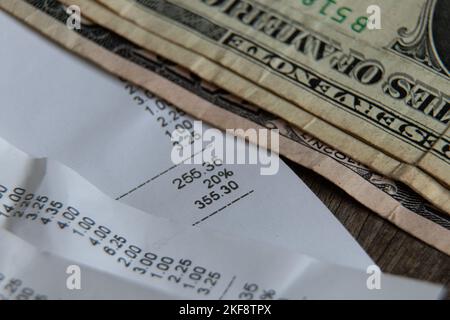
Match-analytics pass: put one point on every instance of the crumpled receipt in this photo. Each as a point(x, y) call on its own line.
point(50, 206)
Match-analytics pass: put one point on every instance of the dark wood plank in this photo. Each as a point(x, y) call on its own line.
point(394, 250)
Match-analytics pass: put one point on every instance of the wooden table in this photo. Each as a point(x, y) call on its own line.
point(394, 250)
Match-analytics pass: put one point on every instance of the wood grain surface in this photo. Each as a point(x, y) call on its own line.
point(394, 250)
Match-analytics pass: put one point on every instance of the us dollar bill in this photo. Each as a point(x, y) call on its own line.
point(367, 93)
point(392, 200)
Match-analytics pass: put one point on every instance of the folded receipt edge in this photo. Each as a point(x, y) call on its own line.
point(43, 275)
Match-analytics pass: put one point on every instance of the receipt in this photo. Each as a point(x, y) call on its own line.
point(27, 273)
point(115, 135)
point(47, 204)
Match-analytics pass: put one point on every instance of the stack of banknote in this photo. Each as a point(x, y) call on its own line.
point(359, 90)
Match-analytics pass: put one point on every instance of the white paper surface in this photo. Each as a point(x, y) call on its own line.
point(55, 209)
point(27, 273)
point(54, 105)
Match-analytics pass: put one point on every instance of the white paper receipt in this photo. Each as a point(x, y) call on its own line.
point(27, 273)
point(55, 209)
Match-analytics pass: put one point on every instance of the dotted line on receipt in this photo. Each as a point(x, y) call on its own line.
point(147, 182)
point(160, 174)
point(227, 288)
